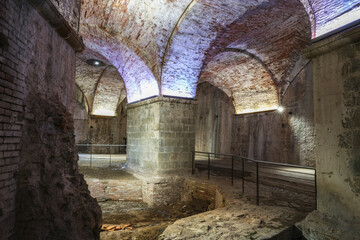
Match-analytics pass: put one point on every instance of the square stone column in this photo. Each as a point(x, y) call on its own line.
point(336, 77)
point(161, 138)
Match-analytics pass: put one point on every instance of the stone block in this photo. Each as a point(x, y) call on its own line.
point(164, 144)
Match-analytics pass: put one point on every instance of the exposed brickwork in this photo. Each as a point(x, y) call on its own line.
point(34, 60)
point(193, 37)
point(110, 92)
point(284, 30)
point(167, 46)
point(12, 88)
point(330, 15)
point(161, 190)
point(244, 80)
point(199, 190)
point(87, 76)
point(70, 10)
point(102, 82)
point(118, 190)
point(145, 25)
point(139, 80)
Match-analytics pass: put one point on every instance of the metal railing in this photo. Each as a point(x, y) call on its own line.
point(282, 167)
point(100, 153)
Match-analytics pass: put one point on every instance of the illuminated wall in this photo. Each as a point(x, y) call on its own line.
point(329, 15)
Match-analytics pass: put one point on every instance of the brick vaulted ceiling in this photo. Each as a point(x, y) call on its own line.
point(249, 49)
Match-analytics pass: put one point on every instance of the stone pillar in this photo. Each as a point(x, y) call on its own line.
point(161, 138)
point(336, 76)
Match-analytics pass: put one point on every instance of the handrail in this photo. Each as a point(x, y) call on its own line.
point(257, 162)
point(100, 145)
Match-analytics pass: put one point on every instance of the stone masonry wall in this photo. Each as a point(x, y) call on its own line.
point(161, 135)
point(37, 74)
point(336, 74)
point(161, 138)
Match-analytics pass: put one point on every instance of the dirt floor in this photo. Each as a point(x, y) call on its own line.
point(146, 222)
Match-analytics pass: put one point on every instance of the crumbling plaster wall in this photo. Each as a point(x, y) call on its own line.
point(41, 190)
point(286, 137)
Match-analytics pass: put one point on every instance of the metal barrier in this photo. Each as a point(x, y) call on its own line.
point(105, 151)
point(282, 167)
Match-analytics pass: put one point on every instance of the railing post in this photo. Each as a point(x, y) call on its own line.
point(315, 190)
point(110, 155)
point(208, 166)
point(257, 183)
point(232, 170)
point(192, 162)
point(90, 155)
point(243, 174)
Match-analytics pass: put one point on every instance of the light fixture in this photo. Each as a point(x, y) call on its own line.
point(95, 63)
point(280, 109)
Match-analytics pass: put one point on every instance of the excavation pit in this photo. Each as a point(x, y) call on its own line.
point(146, 222)
point(120, 196)
point(210, 209)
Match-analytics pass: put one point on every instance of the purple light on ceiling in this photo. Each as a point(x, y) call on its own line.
point(334, 14)
point(139, 81)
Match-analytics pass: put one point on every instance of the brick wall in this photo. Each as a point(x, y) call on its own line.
point(12, 91)
point(197, 189)
point(108, 189)
point(35, 64)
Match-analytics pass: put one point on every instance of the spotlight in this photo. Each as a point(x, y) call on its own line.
point(281, 109)
point(95, 62)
